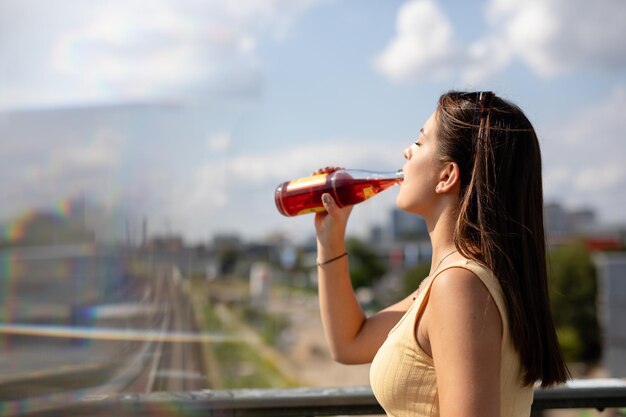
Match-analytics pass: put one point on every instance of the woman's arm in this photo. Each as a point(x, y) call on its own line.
point(352, 337)
point(464, 331)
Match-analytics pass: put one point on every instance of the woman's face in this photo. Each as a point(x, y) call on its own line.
point(421, 171)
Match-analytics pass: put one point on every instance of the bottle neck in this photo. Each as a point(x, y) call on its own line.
point(397, 176)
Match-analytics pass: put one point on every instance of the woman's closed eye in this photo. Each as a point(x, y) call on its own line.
point(417, 141)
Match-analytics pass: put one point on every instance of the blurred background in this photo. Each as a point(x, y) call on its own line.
point(141, 143)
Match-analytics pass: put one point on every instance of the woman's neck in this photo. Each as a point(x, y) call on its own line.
point(441, 231)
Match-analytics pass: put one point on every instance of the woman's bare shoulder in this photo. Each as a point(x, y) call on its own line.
point(460, 292)
point(458, 279)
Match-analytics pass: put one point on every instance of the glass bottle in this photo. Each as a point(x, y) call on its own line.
point(346, 186)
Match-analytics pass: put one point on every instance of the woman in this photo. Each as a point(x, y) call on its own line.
point(478, 333)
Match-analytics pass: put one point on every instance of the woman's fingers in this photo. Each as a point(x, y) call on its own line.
point(340, 214)
point(326, 170)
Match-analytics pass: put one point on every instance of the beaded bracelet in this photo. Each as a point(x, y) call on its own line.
point(332, 259)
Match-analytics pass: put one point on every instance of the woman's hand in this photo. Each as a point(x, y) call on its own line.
point(330, 226)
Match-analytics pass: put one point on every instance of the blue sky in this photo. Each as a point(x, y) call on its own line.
point(190, 113)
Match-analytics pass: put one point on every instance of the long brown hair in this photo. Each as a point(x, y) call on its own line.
point(500, 222)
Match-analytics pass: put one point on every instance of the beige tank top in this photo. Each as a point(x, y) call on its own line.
point(402, 375)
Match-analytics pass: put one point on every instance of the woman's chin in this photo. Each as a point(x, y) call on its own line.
point(408, 206)
point(400, 203)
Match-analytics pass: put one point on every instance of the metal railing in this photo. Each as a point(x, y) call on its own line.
point(296, 402)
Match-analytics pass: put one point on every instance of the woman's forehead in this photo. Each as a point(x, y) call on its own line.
point(430, 125)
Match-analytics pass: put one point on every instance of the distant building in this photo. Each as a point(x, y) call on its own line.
point(377, 234)
point(557, 223)
point(410, 242)
point(563, 225)
point(170, 244)
point(582, 219)
point(406, 226)
point(612, 309)
point(230, 240)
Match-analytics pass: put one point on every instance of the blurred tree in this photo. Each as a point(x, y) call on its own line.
point(366, 267)
point(573, 287)
point(414, 276)
point(227, 258)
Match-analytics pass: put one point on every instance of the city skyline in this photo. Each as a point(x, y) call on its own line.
point(80, 220)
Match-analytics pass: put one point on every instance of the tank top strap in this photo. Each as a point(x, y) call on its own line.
point(488, 279)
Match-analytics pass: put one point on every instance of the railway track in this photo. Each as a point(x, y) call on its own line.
point(178, 365)
point(161, 351)
point(169, 362)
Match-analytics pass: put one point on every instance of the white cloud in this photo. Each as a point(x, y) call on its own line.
point(112, 55)
point(137, 50)
point(103, 151)
point(555, 177)
point(485, 58)
point(36, 175)
point(549, 36)
point(424, 43)
point(273, 167)
point(584, 157)
point(603, 178)
point(556, 36)
point(219, 141)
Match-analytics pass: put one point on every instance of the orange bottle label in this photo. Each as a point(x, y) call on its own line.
point(311, 210)
point(307, 182)
point(368, 192)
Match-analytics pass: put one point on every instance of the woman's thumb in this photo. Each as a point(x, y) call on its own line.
point(328, 202)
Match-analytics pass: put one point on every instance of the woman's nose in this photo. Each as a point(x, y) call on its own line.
point(407, 153)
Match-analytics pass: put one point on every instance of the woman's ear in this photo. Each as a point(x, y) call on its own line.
point(449, 178)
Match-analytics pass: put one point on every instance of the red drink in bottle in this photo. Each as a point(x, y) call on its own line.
point(346, 186)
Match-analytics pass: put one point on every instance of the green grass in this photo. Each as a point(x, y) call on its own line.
point(268, 325)
point(242, 367)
